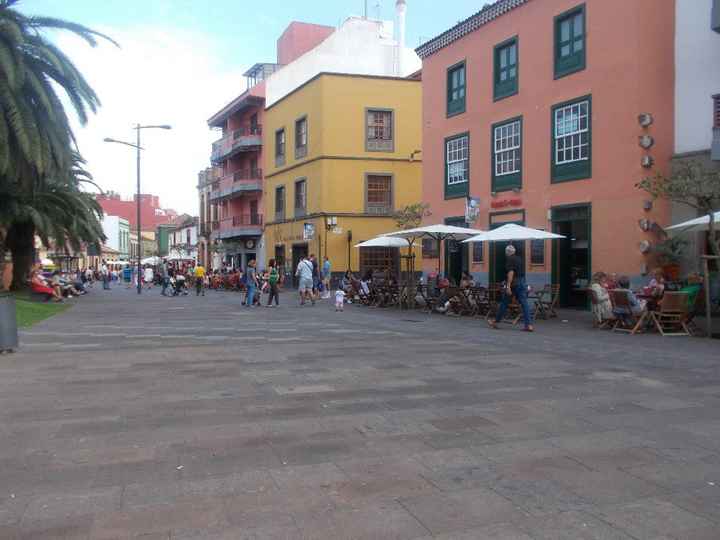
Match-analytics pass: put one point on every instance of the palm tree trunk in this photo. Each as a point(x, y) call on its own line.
point(21, 242)
point(713, 241)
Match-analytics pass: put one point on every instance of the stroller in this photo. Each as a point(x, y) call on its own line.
point(179, 286)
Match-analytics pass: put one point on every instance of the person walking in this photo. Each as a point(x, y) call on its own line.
point(273, 278)
point(326, 274)
point(199, 280)
point(514, 286)
point(251, 283)
point(148, 277)
point(315, 278)
point(305, 274)
point(105, 271)
point(164, 277)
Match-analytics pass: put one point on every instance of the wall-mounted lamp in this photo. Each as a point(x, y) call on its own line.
point(645, 119)
point(644, 247)
point(413, 154)
point(646, 141)
point(647, 205)
point(493, 193)
point(516, 190)
point(330, 222)
point(647, 161)
point(644, 224)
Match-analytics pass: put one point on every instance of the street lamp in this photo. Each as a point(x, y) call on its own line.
point(137, 146)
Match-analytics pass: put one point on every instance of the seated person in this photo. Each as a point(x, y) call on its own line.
point(466, 281)
point(65, 288)
point(611, 281)
point(603, 309)
point(346, 282)
point(637, 306)
point(656, 286)
point(39, 285)
point(366, 281)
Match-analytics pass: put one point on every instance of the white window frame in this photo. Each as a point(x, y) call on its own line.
point(507, 145)
point(457, 150)
point(571, 127)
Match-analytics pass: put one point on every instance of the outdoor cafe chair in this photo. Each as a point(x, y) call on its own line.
point(546, 301)
point(598, 320)
point(671, 318)
point(620, 300)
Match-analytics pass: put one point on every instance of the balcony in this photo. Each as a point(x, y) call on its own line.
point(237, 226)
point(235, 184)
point(244, 139)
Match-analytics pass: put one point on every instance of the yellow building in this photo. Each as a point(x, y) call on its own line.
point(342, 155)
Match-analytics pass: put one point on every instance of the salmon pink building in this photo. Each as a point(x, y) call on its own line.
point(231, 190)
point(547, 113)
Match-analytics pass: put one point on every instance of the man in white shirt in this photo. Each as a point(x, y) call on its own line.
point(105, 276)
point(305, 273)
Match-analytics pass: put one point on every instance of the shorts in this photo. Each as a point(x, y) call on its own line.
point(306, 284)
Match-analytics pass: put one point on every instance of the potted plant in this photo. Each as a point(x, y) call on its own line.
point(669, 254)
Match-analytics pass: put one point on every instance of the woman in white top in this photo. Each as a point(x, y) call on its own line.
point(148, 277)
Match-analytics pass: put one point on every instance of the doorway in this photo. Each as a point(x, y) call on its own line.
point(456, 254)
point(498, 273)
point(298, 251)
point(571, 266)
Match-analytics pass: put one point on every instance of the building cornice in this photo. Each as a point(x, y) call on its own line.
point(485, 15)
point(340, 158)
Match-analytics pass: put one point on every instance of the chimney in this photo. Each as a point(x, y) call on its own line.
point(401, 10)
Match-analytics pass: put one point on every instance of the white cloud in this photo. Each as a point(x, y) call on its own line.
point(159, 76)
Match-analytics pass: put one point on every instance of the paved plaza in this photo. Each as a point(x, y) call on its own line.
point(196, 418)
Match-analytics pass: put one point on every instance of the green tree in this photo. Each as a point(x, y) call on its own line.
point(39, 176)
point(694, 185)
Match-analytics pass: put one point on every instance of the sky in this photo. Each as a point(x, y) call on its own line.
point(179, 62)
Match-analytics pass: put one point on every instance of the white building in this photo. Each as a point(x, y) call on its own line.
point(183, 241)
point(359, 46)
point(117, 233)
point(697, 96)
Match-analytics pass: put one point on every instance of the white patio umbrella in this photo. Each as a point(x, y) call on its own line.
point(152, 261)
point(437, 232)
point(695, 225)
point(512, 232)
point(385, 241)
point(47, 262)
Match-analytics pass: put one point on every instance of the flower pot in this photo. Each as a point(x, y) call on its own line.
point(8, 324)
point(671, 271)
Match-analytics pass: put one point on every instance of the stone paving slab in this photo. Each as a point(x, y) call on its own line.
point(185, 418)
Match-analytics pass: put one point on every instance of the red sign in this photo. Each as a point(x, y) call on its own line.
point(505, 203)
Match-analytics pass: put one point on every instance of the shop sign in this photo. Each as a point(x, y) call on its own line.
point(506, 203)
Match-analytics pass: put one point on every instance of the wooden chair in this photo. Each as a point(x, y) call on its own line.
point(671, 319)
point(621, 301)
point(547, 302)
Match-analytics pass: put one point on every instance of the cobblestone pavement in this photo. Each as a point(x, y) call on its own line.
point(185, 418)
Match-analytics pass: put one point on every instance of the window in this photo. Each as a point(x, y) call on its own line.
point(507, 155)
point(300, 197)
point(379, 259)
point(280, 147)
point(456, 89)
point(537, 252)
point(570, 42)
point(379, 130)
point(378, 194)
point(506, 69)
point(572, 131)
point(457, 166)
point(430, 248)
point(477, 252)
point(301, 138)
point(280, 203)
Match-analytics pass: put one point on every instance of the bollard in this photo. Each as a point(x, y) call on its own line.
point(8, 324)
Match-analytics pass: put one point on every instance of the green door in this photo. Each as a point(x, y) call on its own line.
point(456, 254)
point(571, 260)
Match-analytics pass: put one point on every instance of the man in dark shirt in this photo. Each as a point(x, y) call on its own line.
point(514, 285)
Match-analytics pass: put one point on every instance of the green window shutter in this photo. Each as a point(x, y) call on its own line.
point(506, 61)
point(570, 42)
point(457, 166)
point(571, 140)
point(506, 141)
point(456, 89)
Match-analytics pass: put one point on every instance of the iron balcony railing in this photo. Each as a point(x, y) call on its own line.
point(247, 220)
point(243, 138)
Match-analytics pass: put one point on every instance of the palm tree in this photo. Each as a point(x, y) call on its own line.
point(37, 147)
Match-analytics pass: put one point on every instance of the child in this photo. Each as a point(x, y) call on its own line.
point(339, 300)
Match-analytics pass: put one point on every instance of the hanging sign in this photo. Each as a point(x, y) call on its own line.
point(472, 209)
point(308, 231)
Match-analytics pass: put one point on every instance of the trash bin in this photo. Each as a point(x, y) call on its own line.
point(8, 324)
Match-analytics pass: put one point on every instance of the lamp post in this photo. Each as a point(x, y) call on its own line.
point(137, 147)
